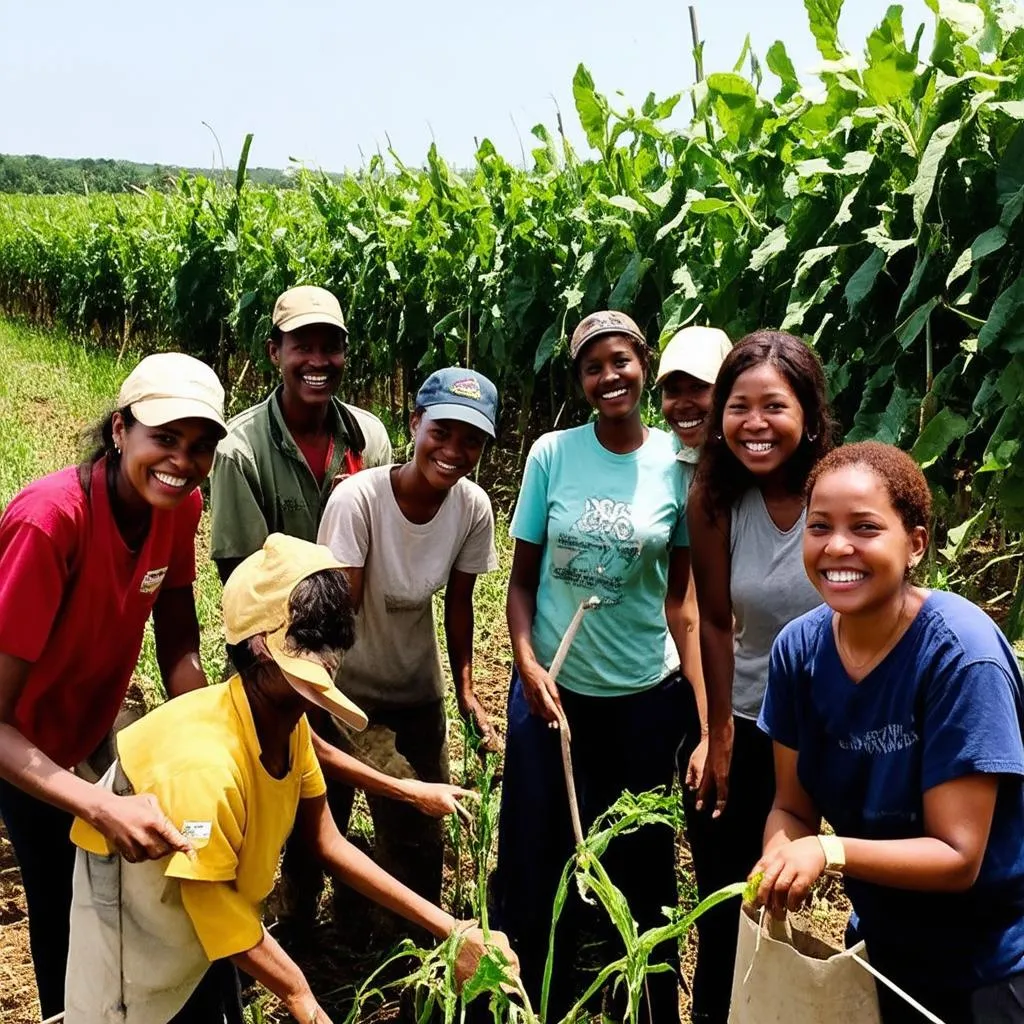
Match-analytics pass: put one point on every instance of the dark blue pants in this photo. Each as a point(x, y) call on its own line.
point(618, 743)
point(40, 835)
point(724, 850)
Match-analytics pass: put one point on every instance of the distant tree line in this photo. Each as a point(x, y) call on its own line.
point(55, 176)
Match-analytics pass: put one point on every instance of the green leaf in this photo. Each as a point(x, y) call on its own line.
point(824, 20)
point(1010, 175)
point(735, 105)
point(1005, 322)
point(781, 66)
point(942, 430)
point(546, 346)
point(892, 69)
point(626, 203)
point(879, 237)
point(960, 536)
point(965, 19)
point(709, 205)
point(591, 107)
point(928, 169)
point(858, 288)
point(984, 245)
point(774, 243)
point(626, 287)
point(914, 323)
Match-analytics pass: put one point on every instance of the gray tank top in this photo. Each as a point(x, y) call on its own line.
point(769, 588)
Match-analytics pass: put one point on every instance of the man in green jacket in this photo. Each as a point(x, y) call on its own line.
point(275, 470)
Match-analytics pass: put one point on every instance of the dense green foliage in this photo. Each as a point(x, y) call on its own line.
point(877, 214)
point(32, 175)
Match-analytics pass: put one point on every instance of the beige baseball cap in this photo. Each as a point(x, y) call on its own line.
point(607, 321)
point(172, 386)
point(698, 351)
point(257, 600)
point(307, 304)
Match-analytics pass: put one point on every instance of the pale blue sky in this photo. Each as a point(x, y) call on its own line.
point(321, 81)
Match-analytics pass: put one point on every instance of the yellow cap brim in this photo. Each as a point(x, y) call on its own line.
point(310, 679)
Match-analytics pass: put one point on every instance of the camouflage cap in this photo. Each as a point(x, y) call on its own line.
point(607, 321)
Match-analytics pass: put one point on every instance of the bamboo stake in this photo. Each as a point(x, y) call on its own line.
point(562, 725)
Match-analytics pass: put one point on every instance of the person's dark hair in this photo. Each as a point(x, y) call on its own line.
point(643, 353)
point(322, 619)
point(904, 483)
point(722, 477)
point(98, 439)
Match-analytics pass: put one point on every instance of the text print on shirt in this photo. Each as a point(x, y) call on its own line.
point(152, 580)
point(599, 549)
point(890, 739)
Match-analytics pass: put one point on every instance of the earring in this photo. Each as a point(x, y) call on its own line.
point(812, 438)
point(117, 449)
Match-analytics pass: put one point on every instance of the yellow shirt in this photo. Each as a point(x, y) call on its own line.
point(199, 755)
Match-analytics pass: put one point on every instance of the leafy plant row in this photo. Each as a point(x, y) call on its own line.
point(877, 213)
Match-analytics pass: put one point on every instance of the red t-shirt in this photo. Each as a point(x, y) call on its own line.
point(74, 601)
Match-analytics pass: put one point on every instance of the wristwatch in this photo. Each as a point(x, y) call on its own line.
point(835, 855)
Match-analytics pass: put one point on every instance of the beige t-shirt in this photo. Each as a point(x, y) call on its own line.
point(395, 659)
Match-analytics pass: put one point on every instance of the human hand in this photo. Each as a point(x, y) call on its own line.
point(789, 871)
point(473, 711)
point(138, 828)
point(473, 946)
point(436, 799)
point(305, 1009)
point(695, 766)
point(541, 694)
point(715, 783)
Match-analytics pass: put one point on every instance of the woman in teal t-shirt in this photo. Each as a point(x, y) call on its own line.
point(601, 513)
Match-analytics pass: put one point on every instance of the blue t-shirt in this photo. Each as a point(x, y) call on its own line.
point(946, 702)
point(607, 523)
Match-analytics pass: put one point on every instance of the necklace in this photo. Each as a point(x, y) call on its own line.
point(845, 650)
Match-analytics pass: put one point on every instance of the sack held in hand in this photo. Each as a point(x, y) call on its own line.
point(784, 975)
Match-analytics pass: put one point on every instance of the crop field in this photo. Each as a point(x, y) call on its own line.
point(877, 211)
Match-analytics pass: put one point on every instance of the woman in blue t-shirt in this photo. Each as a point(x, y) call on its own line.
point(600, 514)
point(896, 714)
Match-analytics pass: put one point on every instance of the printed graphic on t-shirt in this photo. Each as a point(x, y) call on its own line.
point(405, 602)
point(598, 551)
point(152, 580)
point(890, 739)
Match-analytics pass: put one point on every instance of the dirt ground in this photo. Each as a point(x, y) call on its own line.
point(335, 962)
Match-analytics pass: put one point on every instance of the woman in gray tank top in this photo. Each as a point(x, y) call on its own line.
point(769, 425)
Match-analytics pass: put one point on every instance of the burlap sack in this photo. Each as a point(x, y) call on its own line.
point(790, 977)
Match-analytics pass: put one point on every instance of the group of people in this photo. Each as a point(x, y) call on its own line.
point(757, 631)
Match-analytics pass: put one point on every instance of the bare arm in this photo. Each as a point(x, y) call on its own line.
point(355, 574)
point(957, 821)
point(176, 630)
point(136, 825)
point(273, 968)
point(432, 798)
point(320, 833)
point(681, 615)
point(709, 538)
point(520, 607)
point(458, 631)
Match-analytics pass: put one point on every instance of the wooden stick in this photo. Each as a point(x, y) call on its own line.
point(903, 995)
point(563, 725)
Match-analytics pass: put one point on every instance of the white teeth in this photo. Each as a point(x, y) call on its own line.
point(317, 380)
point(843, 575)
point(614, 394)
point(758, 446)
point(689, 424)
point(446, 466)
point(171, 481)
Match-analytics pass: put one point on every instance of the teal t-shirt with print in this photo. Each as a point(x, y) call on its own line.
point(607, 523)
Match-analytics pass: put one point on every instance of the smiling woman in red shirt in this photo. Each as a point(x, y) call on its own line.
point(86, 555)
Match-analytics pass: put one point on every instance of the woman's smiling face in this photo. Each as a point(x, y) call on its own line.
point(857, 550)
point(763, 421)
point(612, 375)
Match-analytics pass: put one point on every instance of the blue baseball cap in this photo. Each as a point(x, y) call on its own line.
point(457, 394)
